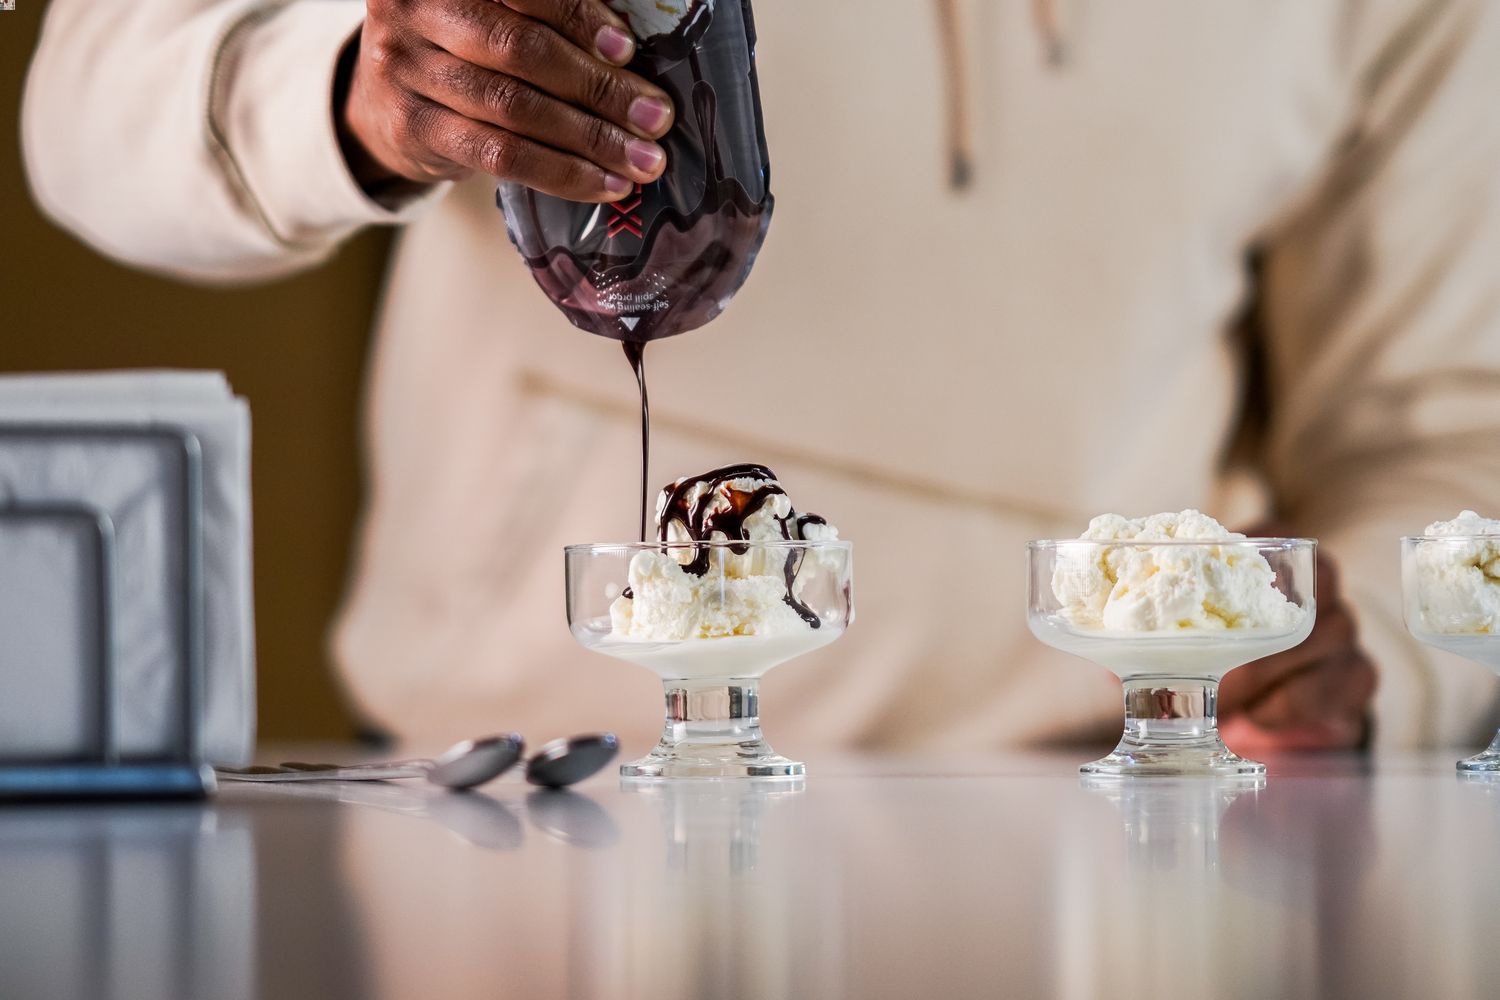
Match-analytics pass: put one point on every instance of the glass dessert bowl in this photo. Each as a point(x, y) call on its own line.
point(1170, 618)
point(1450, 586)
point(710, 618)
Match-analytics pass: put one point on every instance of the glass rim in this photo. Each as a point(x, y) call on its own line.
point(718, 543)
point(1495, 536)
point(1259, 542)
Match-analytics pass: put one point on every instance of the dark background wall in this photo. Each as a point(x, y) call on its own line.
point(295, 349)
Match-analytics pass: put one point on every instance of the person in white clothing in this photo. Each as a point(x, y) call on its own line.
point(1030, 262)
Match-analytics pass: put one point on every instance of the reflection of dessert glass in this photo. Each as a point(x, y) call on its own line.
point(713, 828)
point(1450, 582)
point(1170, 616)
point(1172, 824)
point(737, 584)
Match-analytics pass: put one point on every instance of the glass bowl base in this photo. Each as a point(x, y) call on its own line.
point(1484, 763)
point(1211, 758)
point(712, 760)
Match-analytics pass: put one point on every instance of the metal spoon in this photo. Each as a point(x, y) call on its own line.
point(569, 760)
point(560, 763)
point(463, 765)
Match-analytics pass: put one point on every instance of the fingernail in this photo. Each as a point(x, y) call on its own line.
point(649, 114)
point(644, 156)
point(615, 45)
point(616, 185)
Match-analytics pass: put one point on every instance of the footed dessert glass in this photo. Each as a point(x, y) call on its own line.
point(1445, 609)
point(1172, 677)
point(783, 598)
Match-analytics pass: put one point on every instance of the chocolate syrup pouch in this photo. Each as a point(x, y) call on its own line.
point(668, 257)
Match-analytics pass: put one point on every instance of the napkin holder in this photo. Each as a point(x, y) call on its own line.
point(99, 767)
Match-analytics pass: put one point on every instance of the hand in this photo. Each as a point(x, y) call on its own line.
point(1312, 697)
point(529, 91)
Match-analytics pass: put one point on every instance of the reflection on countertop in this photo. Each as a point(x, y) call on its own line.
point(1004, 876)
point(126, 901)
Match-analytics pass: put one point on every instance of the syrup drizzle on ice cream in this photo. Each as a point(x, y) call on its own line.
point(721, 509)
point(735, 506)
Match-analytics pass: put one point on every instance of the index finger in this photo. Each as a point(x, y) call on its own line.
point(497, 37)
point(588, 24)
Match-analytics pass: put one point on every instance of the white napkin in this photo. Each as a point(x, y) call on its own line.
point(47, 667)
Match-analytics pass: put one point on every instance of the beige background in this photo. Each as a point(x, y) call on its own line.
point(295, 349)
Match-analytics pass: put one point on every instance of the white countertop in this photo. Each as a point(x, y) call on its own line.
point(992, 877)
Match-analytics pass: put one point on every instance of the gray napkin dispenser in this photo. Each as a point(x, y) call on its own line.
point(126, 646)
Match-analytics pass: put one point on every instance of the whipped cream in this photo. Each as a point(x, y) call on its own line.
point(703, 593)
point(1168, 588)
point(649, 18)
point(1459, 576)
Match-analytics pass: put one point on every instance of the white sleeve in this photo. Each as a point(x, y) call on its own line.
point(1382, 317)
point(196, 137)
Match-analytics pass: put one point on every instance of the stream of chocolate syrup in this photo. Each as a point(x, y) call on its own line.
point(635, 352)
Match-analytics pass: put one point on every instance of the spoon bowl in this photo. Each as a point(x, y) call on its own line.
point(569, 760)
point(473, 762)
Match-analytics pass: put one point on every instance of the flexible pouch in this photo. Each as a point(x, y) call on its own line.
point(668, 257)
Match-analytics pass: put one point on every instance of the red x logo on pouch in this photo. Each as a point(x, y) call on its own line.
point(625, 218)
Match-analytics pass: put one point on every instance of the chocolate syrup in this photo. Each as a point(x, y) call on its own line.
point(701, 520)
point(668, 257)
point(635, 352)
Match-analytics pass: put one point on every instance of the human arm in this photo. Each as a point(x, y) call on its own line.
point(1382, 333)
point(529, 91)
point(200, 138)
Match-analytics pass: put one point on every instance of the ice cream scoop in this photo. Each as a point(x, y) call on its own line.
point(1164, 587)
point(737, 502)
point(1459, 569)
point(686, 590)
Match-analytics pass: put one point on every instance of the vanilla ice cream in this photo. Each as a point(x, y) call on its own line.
point(706, 592)
point(1168, 588)
point(1458, 575)
point(649, 18)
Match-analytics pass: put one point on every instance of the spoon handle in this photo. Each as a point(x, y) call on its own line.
point(358, 772)
point(415, 768)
